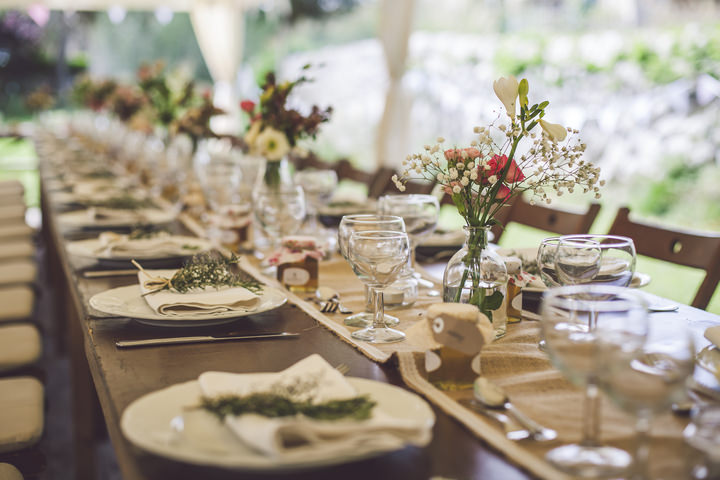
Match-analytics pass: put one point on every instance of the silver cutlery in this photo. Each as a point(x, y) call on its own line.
point(329, 301)
point(663, 308)
point(493, 396)
point(199, 339)
point(513, 431)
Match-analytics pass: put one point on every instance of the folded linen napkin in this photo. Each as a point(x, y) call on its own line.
point(300, 437)
point(713, 334)
point(114, 244)
point(207, 300)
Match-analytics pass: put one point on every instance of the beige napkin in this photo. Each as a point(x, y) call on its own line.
point(207, 300)
point(113, 244)
point(102, 213)
point(713, 334)
point(296, 438)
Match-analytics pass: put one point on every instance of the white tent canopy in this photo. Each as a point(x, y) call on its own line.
point(219, 28)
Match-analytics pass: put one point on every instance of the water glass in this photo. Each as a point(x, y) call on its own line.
point(377, 258)
point(568, 314)
point(280, 213)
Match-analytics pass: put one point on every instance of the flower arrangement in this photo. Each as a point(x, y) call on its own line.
point(40, 99)
point(126, 101)
point(94, 94)
point(166, 100)
point(485, 176)
point(195, 121)
point(274, 128)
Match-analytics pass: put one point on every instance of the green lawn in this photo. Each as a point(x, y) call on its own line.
point(19, 161)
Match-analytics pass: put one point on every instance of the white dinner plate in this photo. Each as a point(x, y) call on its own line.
point(639, 280)
point(92, 248)
point(127, 302)
point(146, 424)
point(145, 216)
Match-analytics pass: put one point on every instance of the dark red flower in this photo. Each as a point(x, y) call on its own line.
point(247, 106)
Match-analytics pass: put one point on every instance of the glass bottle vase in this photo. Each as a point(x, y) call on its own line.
point(477, 275)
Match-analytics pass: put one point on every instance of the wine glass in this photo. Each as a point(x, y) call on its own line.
point(318, 186)
point(280, 213)
point(377, 257)
point(648, 378)
point(546, 261)
point(366, 222)
point(420, 213)
point(572, 344)
point(597, 259)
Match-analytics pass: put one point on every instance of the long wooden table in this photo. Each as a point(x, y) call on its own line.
point(110, 378)
point(106, 380)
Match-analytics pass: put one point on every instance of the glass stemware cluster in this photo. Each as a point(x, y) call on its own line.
point(599, 335)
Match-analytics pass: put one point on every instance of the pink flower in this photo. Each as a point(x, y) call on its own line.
point(449, 188)
point(503, 193)
point(456, 153)
point(247, 106)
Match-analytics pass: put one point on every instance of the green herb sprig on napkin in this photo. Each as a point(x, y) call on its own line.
point(273, 405)
point(202, 271)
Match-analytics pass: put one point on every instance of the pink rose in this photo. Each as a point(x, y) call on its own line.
point(456, 153)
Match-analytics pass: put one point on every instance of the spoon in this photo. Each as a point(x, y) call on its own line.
point(493, 396)
point(325, 294)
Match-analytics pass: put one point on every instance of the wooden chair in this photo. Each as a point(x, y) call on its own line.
point(556, 220)
point(691, 249)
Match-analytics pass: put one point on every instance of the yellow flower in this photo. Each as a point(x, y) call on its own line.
point(555, 131)
point(506, 89)
point(272, 144)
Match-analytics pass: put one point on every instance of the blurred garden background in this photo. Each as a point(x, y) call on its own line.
point(640, 79)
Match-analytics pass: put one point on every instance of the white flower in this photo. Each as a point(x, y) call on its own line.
point(460, 166)
point(506, 89)
point(474, 175)
point(555, 131)
point(457, 189)
point(272, 144)
point(492, 179)
point(440, 177)
point(464, 181)
point(453, 174)
point(440, 140)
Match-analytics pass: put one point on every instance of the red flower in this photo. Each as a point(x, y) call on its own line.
point(497, 164)
point(247, 106)
point(503, 193)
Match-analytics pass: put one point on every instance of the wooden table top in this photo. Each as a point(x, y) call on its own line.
point(122, 376)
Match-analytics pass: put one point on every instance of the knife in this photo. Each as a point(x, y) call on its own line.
point(199, 339)
point(108, 273)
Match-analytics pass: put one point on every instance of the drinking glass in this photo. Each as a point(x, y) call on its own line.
point(573, 348)
point(377, 257)
point(546, 261)
point(597, 259)
point(221, 181)
point(359, 223)
point(318, 186)
point(648, 378)
point(280, 213)
point(420, 213)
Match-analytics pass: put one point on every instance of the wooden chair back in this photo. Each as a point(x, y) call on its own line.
point(556, 220)
point(691, 249)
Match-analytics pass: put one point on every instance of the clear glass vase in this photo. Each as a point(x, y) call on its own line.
point(273, 175)
point(477, 275)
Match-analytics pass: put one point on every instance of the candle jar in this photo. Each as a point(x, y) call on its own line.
point(298, 263)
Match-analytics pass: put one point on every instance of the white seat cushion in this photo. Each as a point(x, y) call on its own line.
point(21, 413)
point(8, 472)
point(17, 272)
point(16, 303)
point(16, 248)
point(15, 230)
point(20, 346)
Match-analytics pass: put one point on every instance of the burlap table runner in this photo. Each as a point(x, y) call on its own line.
point(515, 363)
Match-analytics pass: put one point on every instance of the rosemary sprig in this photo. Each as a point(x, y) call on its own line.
point(202, 271)
point(273, 405)
point(143, 232)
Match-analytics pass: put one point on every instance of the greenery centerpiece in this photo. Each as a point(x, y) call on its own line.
point(484, 177)
point(275, 128)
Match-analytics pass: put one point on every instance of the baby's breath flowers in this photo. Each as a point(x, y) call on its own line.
point(485, 176)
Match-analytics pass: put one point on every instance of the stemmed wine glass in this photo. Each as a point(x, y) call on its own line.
point(648, 378)
point(359, 223)
point(318, 186)
point(420, 213)
point(573, 348)
point(377, 257)
point(280, 213)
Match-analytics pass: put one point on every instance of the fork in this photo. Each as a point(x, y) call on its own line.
point(343, 368)
point(330, 306)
